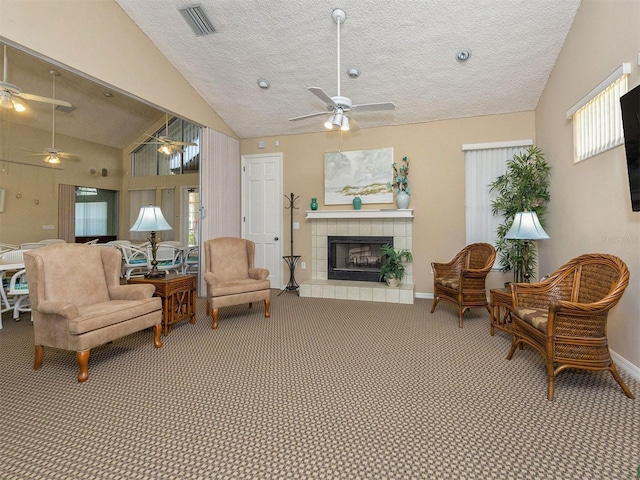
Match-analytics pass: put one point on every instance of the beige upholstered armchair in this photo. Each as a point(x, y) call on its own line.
point(231, 276)
point(564, 317)
point(462, 280)
point(77, 302)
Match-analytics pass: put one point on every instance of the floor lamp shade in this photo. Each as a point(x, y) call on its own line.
point(526, 226)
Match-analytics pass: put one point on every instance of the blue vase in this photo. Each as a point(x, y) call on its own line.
point(357, 203)
point(314, 203)
point(402, 200)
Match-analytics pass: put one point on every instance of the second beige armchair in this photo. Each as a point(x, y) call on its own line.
point(232, 278)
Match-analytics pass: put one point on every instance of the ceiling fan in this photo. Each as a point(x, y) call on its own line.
point(168, 145)
point(52, 155)
point(11, 95)
point(341, 108)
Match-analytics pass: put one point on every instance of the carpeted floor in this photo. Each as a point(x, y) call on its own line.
point(324, 389)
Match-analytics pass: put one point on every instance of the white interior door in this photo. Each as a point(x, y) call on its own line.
point(262, 210)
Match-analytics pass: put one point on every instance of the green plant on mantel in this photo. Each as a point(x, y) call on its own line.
point(400, 181)
point(393, 262)
point(524, 187)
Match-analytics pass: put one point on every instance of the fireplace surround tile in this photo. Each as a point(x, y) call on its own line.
point(395, 223)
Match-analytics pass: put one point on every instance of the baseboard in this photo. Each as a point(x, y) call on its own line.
point(428, 296)
point(625, 365)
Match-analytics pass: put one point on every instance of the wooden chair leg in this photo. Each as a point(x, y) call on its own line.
point(214, 315)
point(435, 302)
point(551, 378)
point(616, 375)
point(38, 357)
point(267, 306)
point(83, 362)
point(157, 332)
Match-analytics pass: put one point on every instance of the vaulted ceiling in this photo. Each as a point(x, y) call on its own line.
point(405, 51)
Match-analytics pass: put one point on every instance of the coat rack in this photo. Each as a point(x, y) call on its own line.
point(292, 260)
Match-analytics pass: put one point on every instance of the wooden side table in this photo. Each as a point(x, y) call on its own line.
point(500, 303)
point(178, 293)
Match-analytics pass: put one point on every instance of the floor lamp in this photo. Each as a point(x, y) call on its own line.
point(526, 226)
point(151, 220)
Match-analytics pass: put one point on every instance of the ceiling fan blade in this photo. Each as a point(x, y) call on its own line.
point(38, 98)
point(307, 116)
point(190, 144)
point(368, 107)
point(69, 156)
point(318, 92)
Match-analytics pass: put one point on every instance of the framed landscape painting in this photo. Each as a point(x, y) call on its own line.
point(359, 173)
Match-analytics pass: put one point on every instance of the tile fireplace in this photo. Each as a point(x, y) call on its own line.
point(395, 225)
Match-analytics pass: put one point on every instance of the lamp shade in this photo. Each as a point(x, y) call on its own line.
point(150, 219)
point(526, 226)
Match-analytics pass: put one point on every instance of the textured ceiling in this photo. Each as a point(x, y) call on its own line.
point(404, 49)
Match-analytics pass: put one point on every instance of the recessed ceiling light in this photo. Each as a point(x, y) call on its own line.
point(463, 55)
point(263, 83)
point(108, 94)
point(353, 72)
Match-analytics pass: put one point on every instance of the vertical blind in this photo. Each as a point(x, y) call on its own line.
point(483, 164)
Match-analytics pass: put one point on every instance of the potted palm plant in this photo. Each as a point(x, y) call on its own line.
point(524, 187)
point(393, 268)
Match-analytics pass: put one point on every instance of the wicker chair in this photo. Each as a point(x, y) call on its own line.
point(565, 316)
point(462, 280)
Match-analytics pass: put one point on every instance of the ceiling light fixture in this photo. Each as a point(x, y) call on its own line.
point(166, 149)
point(53, 159)
point(329, 123)
point(345, 124)
point(264, 83)
point(463, 55)
point(353, 72)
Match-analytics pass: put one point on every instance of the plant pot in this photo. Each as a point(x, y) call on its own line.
point(392, 281)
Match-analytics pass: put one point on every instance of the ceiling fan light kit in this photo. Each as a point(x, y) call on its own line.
point(340, 108)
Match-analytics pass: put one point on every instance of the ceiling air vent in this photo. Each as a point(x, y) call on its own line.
point(197, 20)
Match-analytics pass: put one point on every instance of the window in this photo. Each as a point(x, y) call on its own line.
point(96, 212)
point(483, 163)
point(597, 120)
point(147, 161)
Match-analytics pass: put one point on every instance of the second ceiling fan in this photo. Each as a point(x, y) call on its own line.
point(339, 108)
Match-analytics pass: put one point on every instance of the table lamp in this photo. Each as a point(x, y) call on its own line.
point(151, 220)
point(526, 226)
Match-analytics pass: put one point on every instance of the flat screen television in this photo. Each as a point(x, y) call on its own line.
point(630, 103)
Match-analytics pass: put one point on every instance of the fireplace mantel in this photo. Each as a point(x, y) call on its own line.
point(367, 213)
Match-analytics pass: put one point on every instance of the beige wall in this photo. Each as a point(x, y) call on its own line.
point(23, 219)
point(590, 207)
point(436, 178)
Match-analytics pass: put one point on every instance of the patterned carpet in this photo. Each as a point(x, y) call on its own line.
point(324, 389)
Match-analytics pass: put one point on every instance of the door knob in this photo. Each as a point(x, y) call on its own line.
point(276, 239)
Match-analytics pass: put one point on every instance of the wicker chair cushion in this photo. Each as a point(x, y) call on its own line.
point(536, 317)
point(448, 282)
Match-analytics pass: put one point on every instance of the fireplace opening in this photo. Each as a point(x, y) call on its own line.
point(355, 258)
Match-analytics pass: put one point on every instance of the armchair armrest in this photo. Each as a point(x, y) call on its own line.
point(66, 310)
point(446, 270)
point(211, 279)
point(534, 295)
point(258, 273)
point(131, 292)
